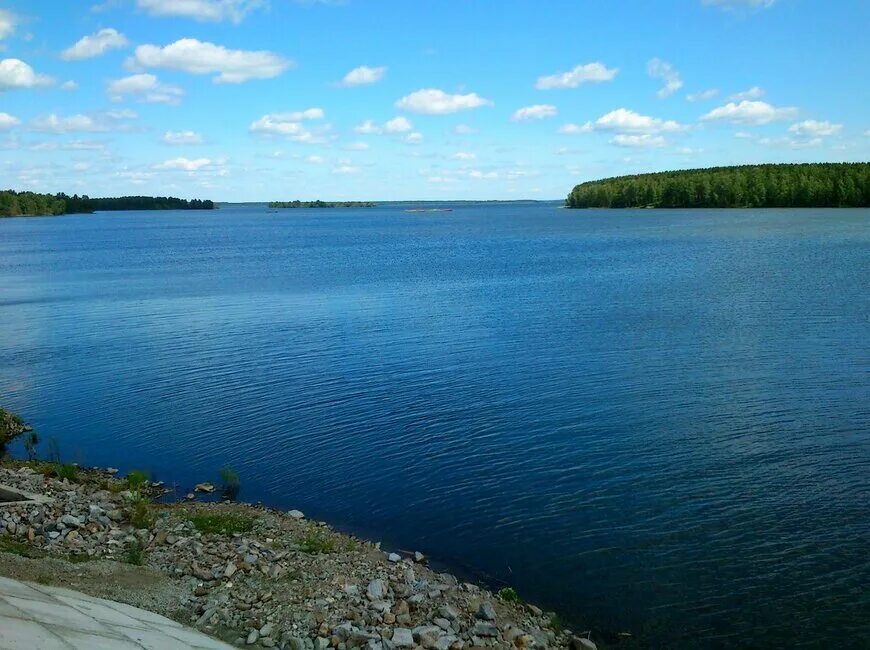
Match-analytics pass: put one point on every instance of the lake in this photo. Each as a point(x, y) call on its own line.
point(652, 421)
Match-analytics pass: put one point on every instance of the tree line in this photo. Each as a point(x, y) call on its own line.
point(830, 185)
point(322, 204)
point(28, 204)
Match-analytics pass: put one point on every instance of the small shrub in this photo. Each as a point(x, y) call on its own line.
point(225, 523)
point(317, 542)
point(135, 554)
point(136, 480)
point(230, 483)
point(509, 595)
point(141, 513)
point(555, 623)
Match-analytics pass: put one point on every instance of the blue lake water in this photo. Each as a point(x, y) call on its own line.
point(651, 421)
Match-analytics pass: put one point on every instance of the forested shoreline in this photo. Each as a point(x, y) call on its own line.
point(833, 185)
point(32, 204)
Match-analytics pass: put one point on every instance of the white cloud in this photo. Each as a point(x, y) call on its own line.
point(15, 73)
point(94, 45)
point(7, 23)
point(740, 4)
point(398, 125)
point(356, 146)
point(291, 125)
point(702, 95)
point(588, 73)
point(623, 120)
point(69, 85)
point(344, 170)
point(315, 160)
point(199, 57)
point(813, 128)
point(431, 101)
point(414, 138)
point(203, 10)
point(463, 155)
point(867, 133)
point(658, 69)
point(749, 113)
point(184, 164)
point(363, 75)
point(753, 93)
point(182, 137)
point(80, 123)
point(146, 88)
point(464, 129)
point(8, 121)
point(790, 143)
point(643, 140)
point(575, 129)
point(367, 128)
point(536, 112)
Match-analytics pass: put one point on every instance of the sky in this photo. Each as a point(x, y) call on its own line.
point(256, 100)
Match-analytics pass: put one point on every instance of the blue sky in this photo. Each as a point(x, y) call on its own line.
point(240, 100)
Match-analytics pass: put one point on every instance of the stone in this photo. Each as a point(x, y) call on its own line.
point(230, 571)
point(402, 638)
point(389, 618)
point(376, 590)
point(445, 642)
point(320, 643)
point(266, 630)
point(70, 521)
point(206, 487)
point(579, 643)
point(443, 623)
point(427, 635)
point(419, 557)
point(449, 612)
point(484, 629)
point(394, 557)
point(536, 611)
point(253, 635)
point(486, 612)
point(296, 514)
point(267, 642)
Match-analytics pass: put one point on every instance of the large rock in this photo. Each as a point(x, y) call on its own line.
point(376, 590)
point(486, 612)
point(403, 638)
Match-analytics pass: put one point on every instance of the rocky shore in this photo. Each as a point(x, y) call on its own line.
point(258, 577)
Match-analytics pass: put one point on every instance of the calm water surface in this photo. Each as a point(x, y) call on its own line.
point(652, 421)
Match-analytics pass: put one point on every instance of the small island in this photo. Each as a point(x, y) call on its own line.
point(31, 204)
point(322, 204)
point(810, 185)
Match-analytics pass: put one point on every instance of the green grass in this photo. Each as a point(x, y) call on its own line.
point(136, 479)
point(222, 523)
point(78, 558)
point(555, 623)
point(317, 542)
point(64, 471)
point(509, 595)
point(141, 514)
point(10, 545)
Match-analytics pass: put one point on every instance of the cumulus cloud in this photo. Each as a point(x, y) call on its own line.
point(345, 169)
point(7, 23)
point(536, 112)
point(463, 155)
point(753, 93)
point(750, 113)
point(623, 120)
point(184, 164)
point(642, 140)
point(69, 85)
point(658, 69)
point(200, 57)
point(202, 10)
point(431, 101)
point(413, 138)
point(587, 73)
point(702, 95)
point(182, 137)
point(15, 73)
point(94, 45)
point(356, 146)
point(291, 125)
point(398, 125)
point(8, 121)
point(363, 75)
point(145, 88)
point(813, 128)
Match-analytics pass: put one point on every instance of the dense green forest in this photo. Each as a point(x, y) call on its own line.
point(28, 204)
point(831, 185)
point(322, 204)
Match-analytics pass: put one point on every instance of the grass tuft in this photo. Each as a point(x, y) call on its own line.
point(317, 542)
point(221, 523)
point(509, 595)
